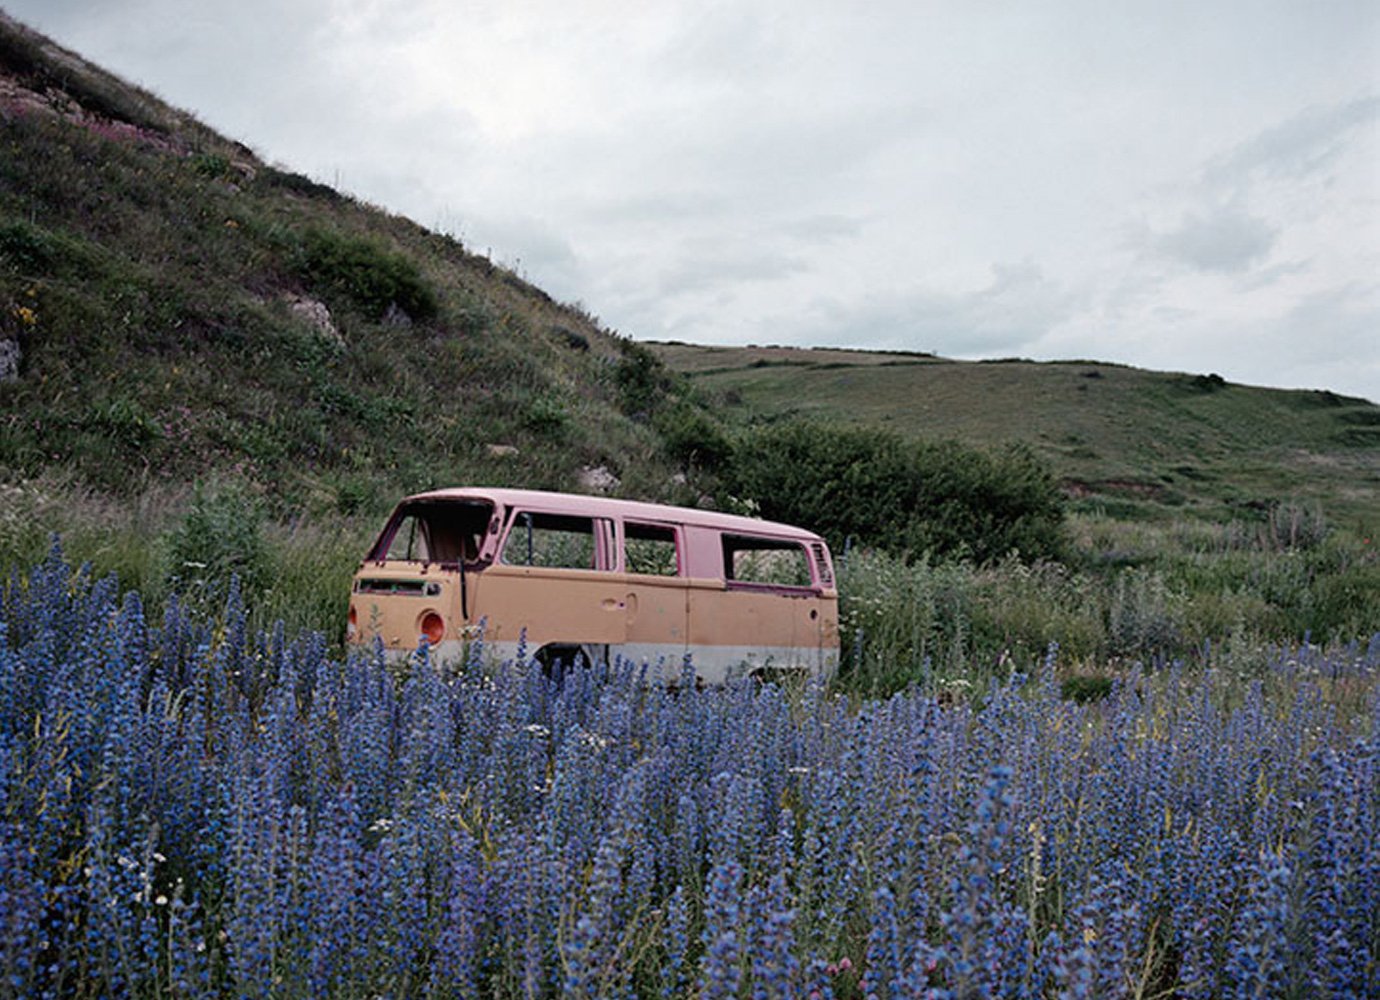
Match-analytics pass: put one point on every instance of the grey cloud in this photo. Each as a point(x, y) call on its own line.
point(707, 265)
point(1326, 340)
point(1224, 240)
point(1010, 314)
point(824, 228)
point(1299, 146)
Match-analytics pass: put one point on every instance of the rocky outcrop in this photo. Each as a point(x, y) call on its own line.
point(9, 360)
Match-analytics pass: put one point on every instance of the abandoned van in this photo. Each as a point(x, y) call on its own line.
point(598, 577)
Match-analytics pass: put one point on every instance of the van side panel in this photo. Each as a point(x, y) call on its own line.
point(392, 598)
point(656, 619)
point(736, 630)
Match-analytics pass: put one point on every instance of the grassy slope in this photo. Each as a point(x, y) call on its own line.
point(148, 269)
point(1137, 439)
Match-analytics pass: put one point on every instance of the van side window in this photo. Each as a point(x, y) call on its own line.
point(766, 561)
point(554, 541)
point(650, 549)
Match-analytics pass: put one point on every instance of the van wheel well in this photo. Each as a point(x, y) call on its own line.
point(558, 657)
point(793, 676)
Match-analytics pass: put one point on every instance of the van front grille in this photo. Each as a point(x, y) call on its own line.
point(401, 588)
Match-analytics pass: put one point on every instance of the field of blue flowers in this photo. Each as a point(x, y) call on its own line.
point(189, 810)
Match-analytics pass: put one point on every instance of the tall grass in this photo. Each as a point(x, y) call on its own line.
point(190, 544)
point(1129, 592)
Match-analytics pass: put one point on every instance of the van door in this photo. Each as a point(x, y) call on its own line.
point(554, 580)
point(766, 613)
point(656, 598)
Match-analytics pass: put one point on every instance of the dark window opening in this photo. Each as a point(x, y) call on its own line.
point(435, 531)
point(553, 541)
point(650, 549)
point(766, 561)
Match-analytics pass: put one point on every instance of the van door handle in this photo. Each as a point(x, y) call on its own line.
point(610, 604)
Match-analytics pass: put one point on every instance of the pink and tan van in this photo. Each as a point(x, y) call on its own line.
point(599, 578)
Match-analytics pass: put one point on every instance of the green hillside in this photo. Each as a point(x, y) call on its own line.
point(1120, 438)
point(214, 368)
point(179, 309)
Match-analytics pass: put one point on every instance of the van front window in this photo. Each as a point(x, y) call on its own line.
point(439, 531)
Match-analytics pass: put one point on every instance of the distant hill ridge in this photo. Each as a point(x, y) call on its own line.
point(1119, 437)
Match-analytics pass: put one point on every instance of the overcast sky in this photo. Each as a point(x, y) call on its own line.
point(1188, 186)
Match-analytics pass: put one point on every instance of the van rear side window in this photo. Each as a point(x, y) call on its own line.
point(553, 541)
point(766, 561)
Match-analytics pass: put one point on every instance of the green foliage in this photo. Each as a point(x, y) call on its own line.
point(931, 623)
point(299, 184)
point(372, 278)
point(693, 438)
point(879, 489)
point(640, 378)
point(34, 251)
point(545, 417)
point(1119, 438)
point(1083, 688)
point(572, 339)
point(1143, 617)
point(219, 537)
point(212, 165)
point(309, 568)
point(124, 421)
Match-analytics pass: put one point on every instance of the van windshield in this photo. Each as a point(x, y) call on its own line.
point(435, 531)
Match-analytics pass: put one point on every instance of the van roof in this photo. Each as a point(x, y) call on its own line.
point(589, 506)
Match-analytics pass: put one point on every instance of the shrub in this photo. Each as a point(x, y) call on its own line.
point(1083, 689)
point(546, 417)
point(374, 279)
point(298, 184)
point(693, 438)
point(1143, 617)
point(210, 165)
point(640, 378)
point(901, 496)
point(219, 538)
point(572, 339)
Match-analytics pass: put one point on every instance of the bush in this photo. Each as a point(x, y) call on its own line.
point(546, 417)
point(33, 251)
point(219, 538)
point(898, 495)
point(641, 379)
point(692, 438)
point(371, 277)
point(1083, 689)
point(1143, 617)
point(298, 184)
